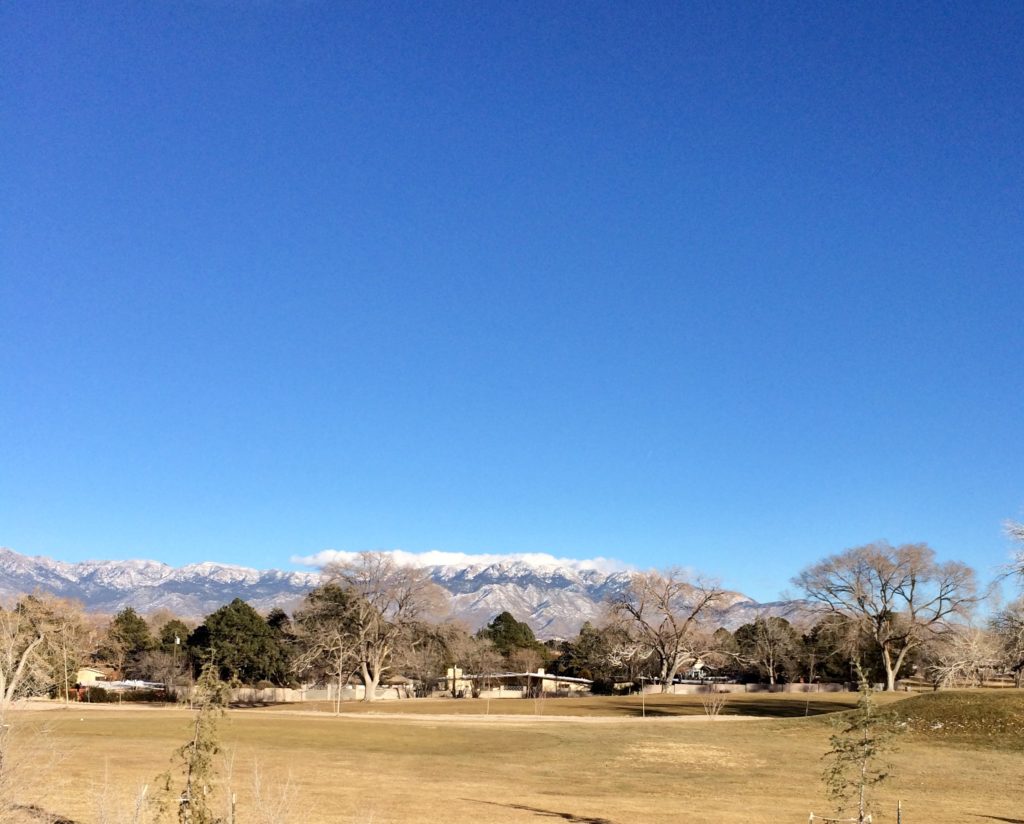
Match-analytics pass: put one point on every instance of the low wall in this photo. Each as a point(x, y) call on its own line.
point(693, 689)
point(284, 695)
point(503, 692)
point(267, 695)
point(250, 695)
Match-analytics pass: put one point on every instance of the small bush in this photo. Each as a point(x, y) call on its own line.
point(146, 696)
point(98, 695)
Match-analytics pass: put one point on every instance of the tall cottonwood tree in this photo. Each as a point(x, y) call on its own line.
point(900, 597)
point(388, 601)
point(662, 612)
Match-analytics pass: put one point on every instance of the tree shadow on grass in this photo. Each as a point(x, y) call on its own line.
point(652, 712)
point(786, 709)
point(577, 819)
point(999, 818)
point(768, 708)
point(30, 812)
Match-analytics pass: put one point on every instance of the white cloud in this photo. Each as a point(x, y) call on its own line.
point(539, 560)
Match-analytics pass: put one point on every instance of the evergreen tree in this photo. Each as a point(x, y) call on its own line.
point(173, 629)
point(510, 635)
point(242, 645)
point(854, 763)
point(127, 640)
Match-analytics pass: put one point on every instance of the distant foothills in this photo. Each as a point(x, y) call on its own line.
point(554, 600)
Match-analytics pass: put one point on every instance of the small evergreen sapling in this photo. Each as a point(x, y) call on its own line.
point(855, 760)
point(196, 757)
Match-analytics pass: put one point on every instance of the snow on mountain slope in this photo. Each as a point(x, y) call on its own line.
point(555, 600)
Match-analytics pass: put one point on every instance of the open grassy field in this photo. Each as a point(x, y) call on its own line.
point(959, 760)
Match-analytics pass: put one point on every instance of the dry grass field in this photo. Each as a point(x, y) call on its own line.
point(959, 760)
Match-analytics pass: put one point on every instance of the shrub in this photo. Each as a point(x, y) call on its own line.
point(98, 695)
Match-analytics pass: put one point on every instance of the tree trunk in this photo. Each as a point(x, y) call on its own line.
point(370, 680)
point(890, 670)
point(668, 674)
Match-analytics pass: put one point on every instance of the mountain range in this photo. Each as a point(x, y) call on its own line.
point(554, 600)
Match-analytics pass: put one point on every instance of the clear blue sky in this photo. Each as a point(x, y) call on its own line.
point(732, 286)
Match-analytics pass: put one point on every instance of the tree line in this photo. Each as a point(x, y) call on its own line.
point(891, 610)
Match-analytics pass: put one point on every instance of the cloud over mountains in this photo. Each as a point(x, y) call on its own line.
point(439, 558)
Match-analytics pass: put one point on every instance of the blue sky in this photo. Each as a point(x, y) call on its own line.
point(730, 286)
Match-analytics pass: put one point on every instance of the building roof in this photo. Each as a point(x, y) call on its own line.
point(544, 676)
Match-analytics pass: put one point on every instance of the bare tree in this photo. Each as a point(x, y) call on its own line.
point(428, 650)
point(326, 631)
point(474, 655)
point(900, 596)
point(1008, 627)
point(661, 612)
point(833, 644)
point(38, 652)
point(627, 657)
point(389, 598)
point(20, 664)
point(962, 656)
point(714, 701)
point(40, 646)
point(524, 660)
point(1015, 531)
point(770, 643)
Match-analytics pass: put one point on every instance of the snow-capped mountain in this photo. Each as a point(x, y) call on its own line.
point(554, 600)
point(194, 590)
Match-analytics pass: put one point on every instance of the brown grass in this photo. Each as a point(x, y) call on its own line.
point(769, 705)
point(387, 767)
